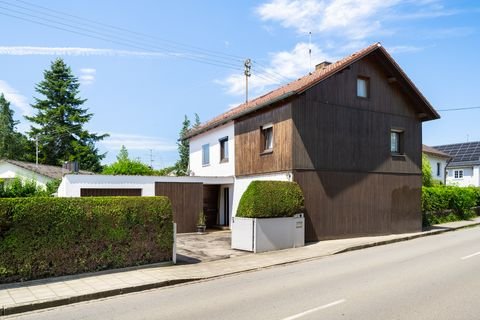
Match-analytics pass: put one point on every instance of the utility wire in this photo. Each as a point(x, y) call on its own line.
point(458, 109)
point(100, 36)
point(132, 32)
point(136, 39)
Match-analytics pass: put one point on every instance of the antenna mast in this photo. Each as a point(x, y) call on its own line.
point(248, 73)
point(310, 51)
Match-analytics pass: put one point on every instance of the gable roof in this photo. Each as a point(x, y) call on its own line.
point(53, 172)
point(435, 152)
point(302, 84)
point(464, 154)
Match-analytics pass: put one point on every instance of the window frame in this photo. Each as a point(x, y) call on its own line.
point(224, 152)
point(458, 174)
point(365, 80)
point(206, 155)
point(263, 133)
point(399, 143)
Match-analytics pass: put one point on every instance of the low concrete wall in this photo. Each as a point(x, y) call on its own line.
point(268, 234)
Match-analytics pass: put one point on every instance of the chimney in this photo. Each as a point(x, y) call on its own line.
point(71, 166)
point(322, 65)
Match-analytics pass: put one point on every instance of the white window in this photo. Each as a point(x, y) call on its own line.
point(267, 137)
point(223, 149)
point(362, 87)
point(396, 143)
point(206, 154)
point(458, 174)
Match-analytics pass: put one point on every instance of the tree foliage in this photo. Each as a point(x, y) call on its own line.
point(126, 166)
point(183, 149)
point(427, 180)
point(13, 144)
point(60, 119)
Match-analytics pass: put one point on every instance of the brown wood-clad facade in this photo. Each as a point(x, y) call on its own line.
point(187, 202)
point(338, 147)
point(250, 157)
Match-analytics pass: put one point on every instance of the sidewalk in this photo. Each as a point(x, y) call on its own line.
point(40, 294)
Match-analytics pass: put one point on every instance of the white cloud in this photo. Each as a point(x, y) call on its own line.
point(353, 19)
point(87, 75)
point(404, 49)
point(283, 66)
point(137, 142)
point(75, 51)
point(15, 98)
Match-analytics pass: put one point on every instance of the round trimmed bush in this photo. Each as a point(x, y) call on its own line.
point(269, 199)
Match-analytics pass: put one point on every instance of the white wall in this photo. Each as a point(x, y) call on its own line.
point(471, 176)
point(10, 171)
point(215, 168)
point(72, 183)
point(241, 184)
point(433, 164)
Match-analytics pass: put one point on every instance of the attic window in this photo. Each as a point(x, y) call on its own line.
point(363, 85)
point(396, 142)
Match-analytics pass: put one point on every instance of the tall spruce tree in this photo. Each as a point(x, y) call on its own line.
point(183, 146)
point(13, 144)
point(60, 121)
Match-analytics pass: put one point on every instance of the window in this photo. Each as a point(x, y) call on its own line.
point(267, 137)
point(396, 142)
point(458, 174)
point(438, 169)
point(206, 154)
point(362, 87)
point(223, 149)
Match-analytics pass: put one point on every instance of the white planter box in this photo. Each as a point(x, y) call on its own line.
point(268, 234)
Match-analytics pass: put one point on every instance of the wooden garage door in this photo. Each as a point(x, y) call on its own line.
point(92, 192)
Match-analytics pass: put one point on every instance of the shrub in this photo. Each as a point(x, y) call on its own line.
point(448, 203)
point(268, 199)
point(45, 237)
point(21, 188)
point(427, 180)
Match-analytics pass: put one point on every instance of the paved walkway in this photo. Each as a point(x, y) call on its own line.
point(39, 294)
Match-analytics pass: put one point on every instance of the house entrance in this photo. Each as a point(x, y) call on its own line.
point(210, 204)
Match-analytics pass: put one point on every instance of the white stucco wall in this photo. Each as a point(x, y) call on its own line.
point(10, 171)
point(72, 183)
point(433, 164)
point(215, 168)
point(471, 176)
point(241, 184)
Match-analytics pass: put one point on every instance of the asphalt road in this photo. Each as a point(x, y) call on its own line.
point(435, 277)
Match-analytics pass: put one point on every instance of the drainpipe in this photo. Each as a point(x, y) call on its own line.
point(445, 171)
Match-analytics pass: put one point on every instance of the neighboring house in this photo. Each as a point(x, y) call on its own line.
point(464, 168)
point(350, 133)
point(40, 173)
point(438, 162)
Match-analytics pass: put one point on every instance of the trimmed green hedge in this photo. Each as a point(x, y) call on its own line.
point(268, 199)
point(448, 203)
point(46, 237)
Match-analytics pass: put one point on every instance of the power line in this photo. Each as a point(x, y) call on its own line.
point(108, 37)
point(130, 31)
point(457, 109)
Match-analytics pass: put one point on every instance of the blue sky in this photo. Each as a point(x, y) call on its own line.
point(165, 59)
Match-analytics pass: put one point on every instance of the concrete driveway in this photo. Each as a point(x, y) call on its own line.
point(213, 245)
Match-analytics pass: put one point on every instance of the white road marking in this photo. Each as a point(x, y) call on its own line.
point(325, 306)
point(470, 256)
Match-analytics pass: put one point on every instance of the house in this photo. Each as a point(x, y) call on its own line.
point(438, 162)
point(349, 133)
point(40, 173)
point(464, 168)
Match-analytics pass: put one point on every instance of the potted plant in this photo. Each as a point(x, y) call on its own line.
point(201, 225)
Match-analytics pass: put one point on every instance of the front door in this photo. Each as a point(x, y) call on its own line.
point(210, 204)
point(226, 207)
